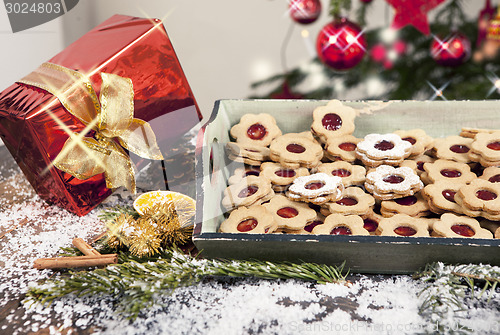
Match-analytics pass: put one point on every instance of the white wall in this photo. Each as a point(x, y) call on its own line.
point(223, 45)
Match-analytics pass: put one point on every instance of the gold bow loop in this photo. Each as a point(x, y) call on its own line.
point(111, 117)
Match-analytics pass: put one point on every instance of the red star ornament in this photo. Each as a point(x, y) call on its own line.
point(413, 12)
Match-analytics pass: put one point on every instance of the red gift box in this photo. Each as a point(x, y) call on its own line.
point(129, 47)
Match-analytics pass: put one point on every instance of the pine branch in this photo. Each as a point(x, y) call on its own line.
point(136, 282)
point(114, 212)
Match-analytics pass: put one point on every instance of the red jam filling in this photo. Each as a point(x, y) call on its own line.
point(285, 173)
point(406, 201)
point(459, 148)
point(405, 231)
point(341, 230)
point(287, 212)
point(252, 173)
point(256, 131)
point(463, 230)
point(495, 179)
point(314, 185)
point(449, 195)
point(295, 148)
point(311, 225)
point(347, 202)
point(370, 225)
point(332, 121)
point(384, 145)
point(341, 173)
point(347, 146)
point(247, 225)
point(494, 145)
point(420, 166)
point(486, 195)
point(248, 191)
point(393, 179)
point(448, 173)
point(410, 139)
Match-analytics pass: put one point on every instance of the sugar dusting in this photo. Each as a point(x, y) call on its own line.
point(370, 305)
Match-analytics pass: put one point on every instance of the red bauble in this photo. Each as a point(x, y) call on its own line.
point(453, 50)
point(304, 11)
point(341, 44)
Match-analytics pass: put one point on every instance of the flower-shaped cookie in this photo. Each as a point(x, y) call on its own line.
point(492, 226)
point(254, 220)
point(491, 174)
point(388, 182)
point(241, 173)
point(451, 225)
point(403, 225)
point(371, 221)
point(333, 120)
point(256, 129)
point(290, 214)
point(317, 188)
point(350, 174)
point(413, 205)
point(378, 149)
point(420, 161)
point(480, 198)
point(440, 196)
point(338, 224)
point(355, 201)
point(453, 148)
point(294, 151)
point(249, 191)
point(420, 141)
point(342, 148)
point(254, 152)
point(279, 175)
point(449, 170)
point(486, 149)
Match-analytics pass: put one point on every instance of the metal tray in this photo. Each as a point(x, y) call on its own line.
point(364, 254)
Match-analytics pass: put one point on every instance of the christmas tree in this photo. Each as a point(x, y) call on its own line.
point(451, 57)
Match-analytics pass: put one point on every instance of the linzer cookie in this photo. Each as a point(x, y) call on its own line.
point(293, 151)
point(254, 220)
point(387, 182)
point(290, 214)
point(317, 188)
point(377, 149)
point(354, 202)
point(279, 175)
point(342, 148)
point(440, 196)
point(333, 120)
point(248, 154)
point(451, 225)
point(249, 191)
point(403, 225)
point(486, 149)
point(371, 221)
point(338, 224)
point(241, 173)
point(491, 174)
point(455, 148)
point(472, 132)
point(256, 129)
point(480, 198)
point(350, 174)
point(420, 141)
point(449, 170)
point(413, 205)
point(420, 161)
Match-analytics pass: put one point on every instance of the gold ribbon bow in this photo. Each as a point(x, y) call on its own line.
point(111, 116)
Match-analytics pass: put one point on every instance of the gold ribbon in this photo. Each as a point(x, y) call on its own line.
point(111, 116)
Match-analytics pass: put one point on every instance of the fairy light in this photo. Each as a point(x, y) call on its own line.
point(438, 92)
point(493, 78)
point(388, 35)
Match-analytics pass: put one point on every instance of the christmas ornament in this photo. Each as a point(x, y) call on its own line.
point(490, 47)
point(341, 44)
point(485, 15)
point(453, 50)
point(413, 12)
point(304, 11)
point(387, 54)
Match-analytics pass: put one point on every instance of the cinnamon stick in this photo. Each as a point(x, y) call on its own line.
point(85, 247)
point(75, 262)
